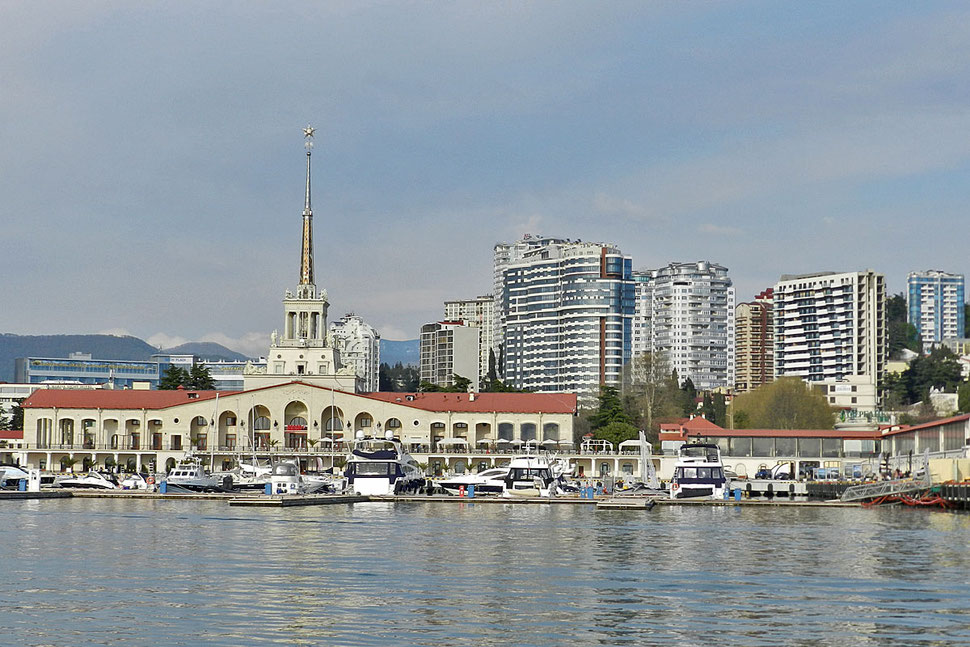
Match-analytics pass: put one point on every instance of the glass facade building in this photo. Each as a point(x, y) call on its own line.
point(934, 301)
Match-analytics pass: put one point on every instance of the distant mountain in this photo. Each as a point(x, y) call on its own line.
point(98, 346)
point(207, 351)
point(405, 352)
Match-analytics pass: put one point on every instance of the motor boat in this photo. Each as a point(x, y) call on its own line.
point(190, 475)
point(382, 466)
point(92, 480)
point(530, 476)
point(135, 482)
point(698, 472)
point(490, 481)
point(245, 476)
point(10, 476)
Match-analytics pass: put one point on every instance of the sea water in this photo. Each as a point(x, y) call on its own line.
point(162, 572)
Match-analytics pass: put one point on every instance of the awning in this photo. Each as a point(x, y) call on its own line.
point(452, 442)
point(484, 441)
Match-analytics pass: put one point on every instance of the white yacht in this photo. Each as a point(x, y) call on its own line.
point(490, 481)
point(530, 476)
point(245, 476)
point(190, 475)
point(92, 480)
point(699, 472)
point(376, 467)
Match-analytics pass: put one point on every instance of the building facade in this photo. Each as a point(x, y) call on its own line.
point(477, 312)
point(359, 345)
point(504, 254)
point(754, 349)
point(81, 368)
point(567, 311)
point(450, 348)
point(829, 326)
point(935, 305)
point(685, 311)
point(145, 430)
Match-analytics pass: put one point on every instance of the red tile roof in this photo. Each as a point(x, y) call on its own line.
point(110, 399)
point(482, 402)
point(789, 433)
point(891, 431)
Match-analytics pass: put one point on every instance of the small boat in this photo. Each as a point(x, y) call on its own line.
point(530, 476)
point(10, 476)
point(135, 482)
point(382, 466)
point(92, 480)
point(490, 481)
point(698, 472)
point(190, 475)
point(245, 476)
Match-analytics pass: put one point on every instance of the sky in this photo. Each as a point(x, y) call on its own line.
point(152, 161)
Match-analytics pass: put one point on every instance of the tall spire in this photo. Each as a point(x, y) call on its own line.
point(306, 288)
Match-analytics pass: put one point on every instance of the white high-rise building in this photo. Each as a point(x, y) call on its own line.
point(686, 312)
point(830, 326)
point(476, 312)
point(359, 345)
point(567, 311)
point(934, 302)
point(450, 348)
point(504, 255)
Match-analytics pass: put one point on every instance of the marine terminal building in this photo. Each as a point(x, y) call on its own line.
point(305, 400)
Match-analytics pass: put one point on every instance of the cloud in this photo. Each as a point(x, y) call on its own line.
point(116, 332)
point(163, 340)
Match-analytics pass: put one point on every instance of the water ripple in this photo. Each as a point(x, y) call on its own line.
point(104, 572)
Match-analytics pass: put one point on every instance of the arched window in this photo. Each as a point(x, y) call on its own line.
point(505, 430)
point(550, 431)
point(333, 424)
point(392, 423)
point(200, 421)
point(261, 423)
point(528, 430)
point(296, 423)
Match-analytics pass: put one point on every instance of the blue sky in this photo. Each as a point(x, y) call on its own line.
point(152, 155)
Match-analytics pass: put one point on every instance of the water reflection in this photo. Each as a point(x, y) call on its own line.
point(91, 572)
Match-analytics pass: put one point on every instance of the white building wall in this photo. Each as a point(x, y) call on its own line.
point(829, 326)
point(359, 346)
point(686, 311)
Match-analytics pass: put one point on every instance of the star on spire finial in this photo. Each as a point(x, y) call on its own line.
point(308, 135)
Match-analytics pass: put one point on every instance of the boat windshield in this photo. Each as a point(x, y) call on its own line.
point(373, 469)
point(707, 453)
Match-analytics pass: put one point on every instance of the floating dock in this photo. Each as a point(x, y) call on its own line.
point(16, 495)
point(287, 500)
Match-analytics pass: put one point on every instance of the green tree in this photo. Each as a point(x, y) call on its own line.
point(610, 409)
point(938, 370)
point(173, 378)
point(200, 379)
point(653, 386)
point(963, 397)
point(689, 397)
point(616, 432)
point(720, 410)
point(902, 334)
point(786, 403)
point(398, 378)
point(707, 408)
point(14, 420)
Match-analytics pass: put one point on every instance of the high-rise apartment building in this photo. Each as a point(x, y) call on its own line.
point(754, 350)
point(504, 255)
point(359, 345)
point(567, 310)
point(686, 312)
point(450, 348)
point(476, 312)
point(829, 326)
point(935, 301)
